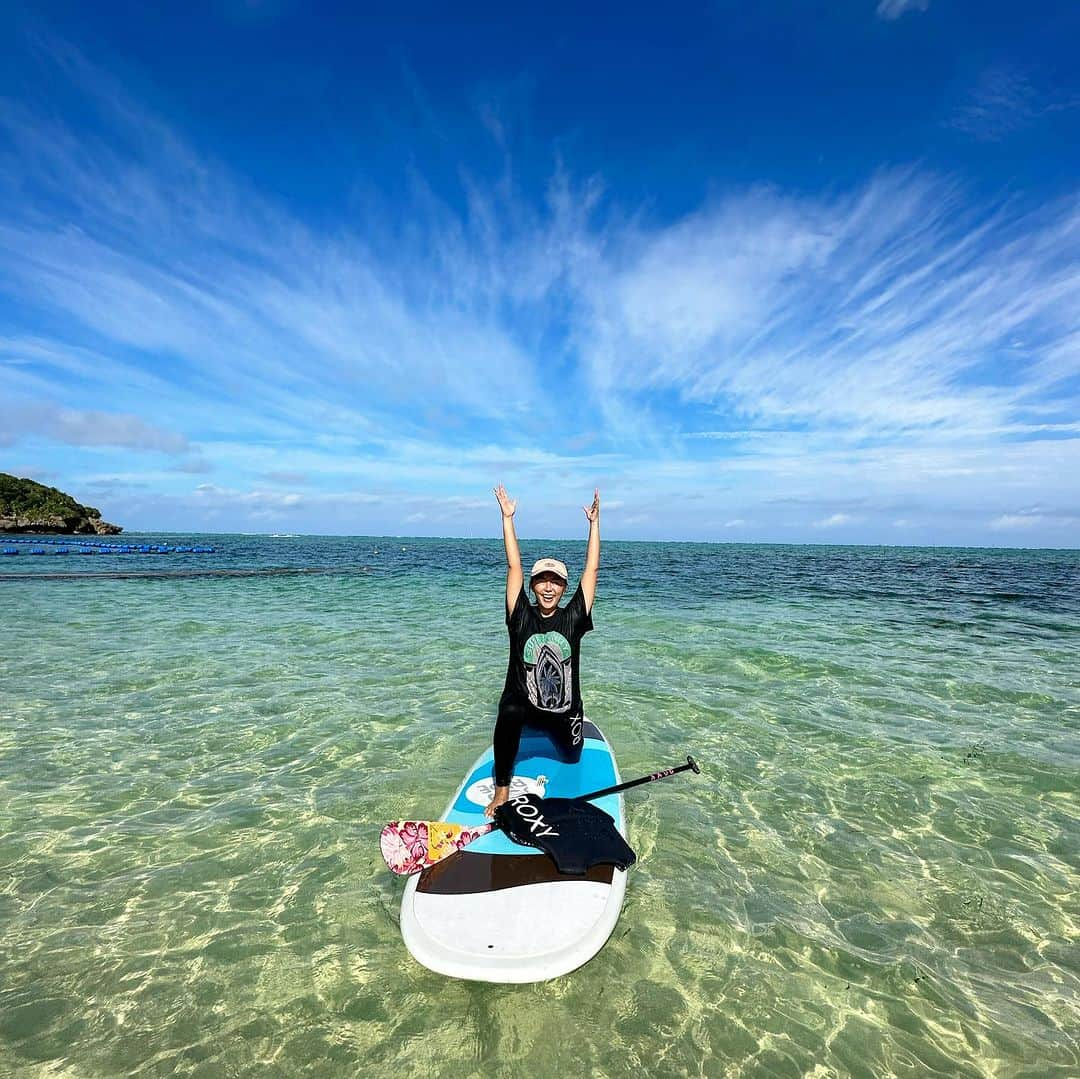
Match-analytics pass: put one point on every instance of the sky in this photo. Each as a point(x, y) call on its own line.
point(784, 272)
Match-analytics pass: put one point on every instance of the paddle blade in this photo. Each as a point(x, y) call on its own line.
point(411, 845)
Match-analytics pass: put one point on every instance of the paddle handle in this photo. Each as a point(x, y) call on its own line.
point(690, 764)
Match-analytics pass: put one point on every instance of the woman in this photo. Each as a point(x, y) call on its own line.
point(543, 688)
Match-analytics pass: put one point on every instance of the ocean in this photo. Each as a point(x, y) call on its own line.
point(876, 873)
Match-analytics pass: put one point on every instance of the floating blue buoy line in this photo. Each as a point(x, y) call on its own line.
point(40, 546)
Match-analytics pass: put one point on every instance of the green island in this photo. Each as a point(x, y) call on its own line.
point(28, 506)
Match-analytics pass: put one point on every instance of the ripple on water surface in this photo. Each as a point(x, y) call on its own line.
point(876, 874)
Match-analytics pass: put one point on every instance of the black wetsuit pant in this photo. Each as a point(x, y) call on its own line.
point(564, 731)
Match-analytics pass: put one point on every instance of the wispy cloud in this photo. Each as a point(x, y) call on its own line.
point(1036, 517)
point(74, 427)
point(834, 520)
point(893, 9)
point(898, 309)
point(900, 338)
point(1005, 99)
point(156, 252)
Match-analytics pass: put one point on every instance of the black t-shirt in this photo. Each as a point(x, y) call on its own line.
point(543, 668)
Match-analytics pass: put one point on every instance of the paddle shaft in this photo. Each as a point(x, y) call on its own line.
point(690, 764)
point(400, 859)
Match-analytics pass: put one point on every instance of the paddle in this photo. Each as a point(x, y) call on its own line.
point(411, 845)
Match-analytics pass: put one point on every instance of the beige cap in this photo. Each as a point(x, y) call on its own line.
point(548, 565)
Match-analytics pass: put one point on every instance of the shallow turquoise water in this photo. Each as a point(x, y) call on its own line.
point(876, 873)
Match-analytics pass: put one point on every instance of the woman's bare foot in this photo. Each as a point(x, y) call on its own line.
point(502, 795)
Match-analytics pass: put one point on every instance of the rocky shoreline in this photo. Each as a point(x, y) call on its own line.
point(59, 526)
point(30, 507)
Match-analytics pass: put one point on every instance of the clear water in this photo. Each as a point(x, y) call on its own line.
point(877, 872)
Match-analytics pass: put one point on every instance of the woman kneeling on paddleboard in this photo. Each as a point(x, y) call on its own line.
point(542, 688)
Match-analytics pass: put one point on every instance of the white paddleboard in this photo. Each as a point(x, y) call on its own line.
point(500, 912)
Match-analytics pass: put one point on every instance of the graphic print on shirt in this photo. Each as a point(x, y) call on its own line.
point(547, 671)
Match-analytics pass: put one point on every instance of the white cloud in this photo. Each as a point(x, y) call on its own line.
point(1017, 520)
point(893, 9)
point(1003, 100)
point(75, 427)
point(1036, 517)
point(874, 319)
point(898, 339)
point(169, 255)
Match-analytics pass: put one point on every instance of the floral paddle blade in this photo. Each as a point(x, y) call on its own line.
point(411, 845)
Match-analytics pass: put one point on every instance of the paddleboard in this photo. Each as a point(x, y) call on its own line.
point(500, 912)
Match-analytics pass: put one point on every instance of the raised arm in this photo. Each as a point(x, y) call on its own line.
point(514, 578)
point(592, 553)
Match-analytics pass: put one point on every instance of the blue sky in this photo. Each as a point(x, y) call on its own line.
point(792, 272)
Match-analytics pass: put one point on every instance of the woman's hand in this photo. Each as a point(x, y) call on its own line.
point(593, 511)
point(506, 503)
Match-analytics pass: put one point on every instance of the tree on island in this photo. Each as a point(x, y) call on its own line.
point(28, 506)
